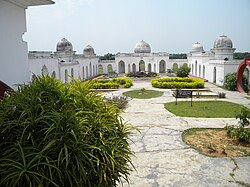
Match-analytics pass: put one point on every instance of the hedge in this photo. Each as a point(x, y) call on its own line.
point(170, 83)
point(114, 83)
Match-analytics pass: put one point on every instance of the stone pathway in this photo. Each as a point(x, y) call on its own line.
point(162, 159)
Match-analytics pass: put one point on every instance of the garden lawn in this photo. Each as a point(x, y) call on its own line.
point(204, 109)
point(143, 94)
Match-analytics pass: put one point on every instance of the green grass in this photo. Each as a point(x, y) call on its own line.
point(204, 109)
point(143, 94)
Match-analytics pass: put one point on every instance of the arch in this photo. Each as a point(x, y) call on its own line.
point(149, 67)
point(53, 74)
point(66, 75)
point(192, 69)
point(44, 70)
point(121, 67)
point(204, 70)
point(129, 68)
point(162, 66)
point(87, 72)
point(83, 74)
point(141, 65)
point(109, 68)
point(134, 67)
point(94, 70)
point(199, 70)
point(33, 77)
point(90, 69)
point(100, 69)
point(175, 67)
point(239, 74)
point(72, 72)
point(154, 67)
point(214, 75)
point(196, 67)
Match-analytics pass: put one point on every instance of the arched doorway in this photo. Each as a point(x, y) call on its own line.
point(175, 67)
point(214, 75)
point(83, 74)
point(134, 68)
point(44, 70)
point(109, 69)
point(121, 67)
point(154, 67)
point(196, 67)
point(87, 72)
point(204, 71)
point(53, 74)
point(66, 75)
point(100, 69)
point(90, 69)
point(72, 72)
point(162, 66)
point(192, 69)
point(149, 68)
point(199, 70)
point(141, 65)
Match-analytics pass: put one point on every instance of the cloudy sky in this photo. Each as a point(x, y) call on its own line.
point(117, 25)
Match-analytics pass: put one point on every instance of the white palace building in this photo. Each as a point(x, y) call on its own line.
point(211, 65)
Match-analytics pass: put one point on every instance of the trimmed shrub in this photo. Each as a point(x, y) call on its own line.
point(55, 134)
point(139, 74)
point(170, 83)
point(113, 83)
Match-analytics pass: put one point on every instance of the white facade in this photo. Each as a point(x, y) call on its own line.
point(64, 63)
point(215, 64)
point(14, 68)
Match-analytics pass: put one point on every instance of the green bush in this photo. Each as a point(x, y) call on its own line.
point(55, 134)
point(113, 83)
point(183, 71)
point(241, 132)
point(139, 74)
point(231, 81)
point(170, 83)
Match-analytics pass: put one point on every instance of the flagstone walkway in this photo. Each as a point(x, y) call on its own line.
point(163, 159)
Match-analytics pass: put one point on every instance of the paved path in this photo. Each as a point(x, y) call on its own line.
point(162, 159)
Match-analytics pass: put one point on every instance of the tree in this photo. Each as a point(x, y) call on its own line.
point(183, 71)
point(231, 81)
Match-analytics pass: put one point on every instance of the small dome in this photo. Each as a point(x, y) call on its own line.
point(197, 47)
point(64, 45)
point(142, 47)
point(223, 42)
point(88, 50)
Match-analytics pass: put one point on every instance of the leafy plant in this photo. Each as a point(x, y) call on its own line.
point(231, 80)
point(241, 132)
point(119, 101)
point(55, 134)
point(183, 71)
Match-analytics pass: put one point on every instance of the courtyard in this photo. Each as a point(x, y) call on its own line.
point(163, 159)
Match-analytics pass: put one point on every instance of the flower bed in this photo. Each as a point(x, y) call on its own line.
point(114, 83)
point(169, 83)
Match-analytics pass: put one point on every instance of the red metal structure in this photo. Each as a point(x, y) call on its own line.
point(4, 88)
point(239, 74)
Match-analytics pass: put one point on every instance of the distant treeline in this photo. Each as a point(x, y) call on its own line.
point(241, 55)
point(178, 56)
point(108, 56)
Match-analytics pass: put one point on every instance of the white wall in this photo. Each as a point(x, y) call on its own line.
point(14, 66)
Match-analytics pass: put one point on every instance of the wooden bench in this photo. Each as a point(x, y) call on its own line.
point(183, 93)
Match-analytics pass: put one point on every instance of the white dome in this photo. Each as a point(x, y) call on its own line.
point(88, 50)
point(197, 47)
point(223, 42)
point(64, 45)
point(142, 47)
